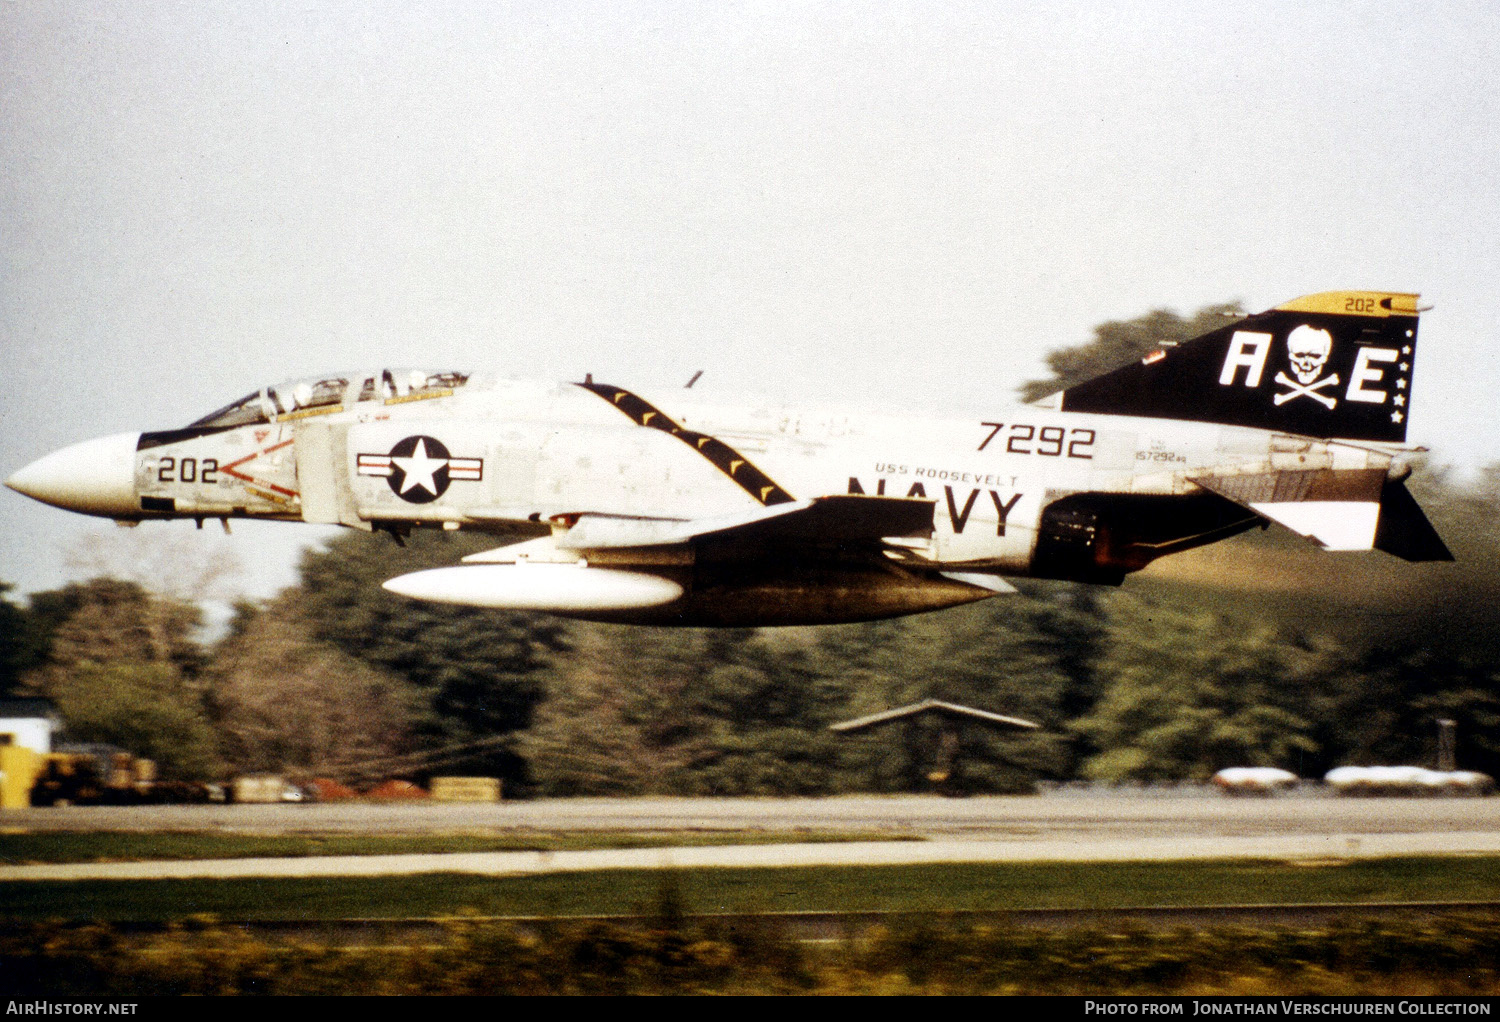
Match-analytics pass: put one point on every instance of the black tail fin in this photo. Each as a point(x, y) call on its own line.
point(1404, 530)
point(1336, 365)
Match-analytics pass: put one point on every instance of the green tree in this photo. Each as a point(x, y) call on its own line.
point(1187, 694)
point(106, 621)
point(1120, 342)
point(479, 672)
point(1068, 625)
point(286, 702)
point(1451, 607)
point(686, 711)
point(145, 708)
point(631, 710)
point(592, 733)
point(760, 710)
point(23, 643)
point(994, 656)
point(123, 666)
point(1386, 710)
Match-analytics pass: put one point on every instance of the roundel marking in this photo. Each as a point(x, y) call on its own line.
point(419, 469)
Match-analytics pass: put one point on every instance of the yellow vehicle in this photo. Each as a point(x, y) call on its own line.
point(93, 774)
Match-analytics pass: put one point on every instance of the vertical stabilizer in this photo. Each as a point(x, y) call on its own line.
point(1336, 365)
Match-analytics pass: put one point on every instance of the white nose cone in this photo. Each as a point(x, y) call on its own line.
point(555, 587)
point(96, 477)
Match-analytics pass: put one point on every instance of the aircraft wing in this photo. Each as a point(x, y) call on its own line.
point(840, 518)
point(834, 519)
point(782, 559)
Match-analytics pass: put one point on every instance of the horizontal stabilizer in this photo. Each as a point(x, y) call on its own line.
point(1347, 509)
point(1274, 487)
point(1337, 509)
point(838, 518)
point(1333, 524)
point(1404, 530)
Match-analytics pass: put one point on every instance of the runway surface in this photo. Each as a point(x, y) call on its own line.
point(858, 853)
point(1063, 825)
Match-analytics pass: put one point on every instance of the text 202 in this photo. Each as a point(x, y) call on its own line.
point(189, 470)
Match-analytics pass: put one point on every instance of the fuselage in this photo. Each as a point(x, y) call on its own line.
point(513, 456)
point(676, 507)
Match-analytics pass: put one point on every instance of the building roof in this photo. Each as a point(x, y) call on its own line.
point(934, 706)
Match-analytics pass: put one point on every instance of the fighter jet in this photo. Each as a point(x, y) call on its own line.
point(673, 509)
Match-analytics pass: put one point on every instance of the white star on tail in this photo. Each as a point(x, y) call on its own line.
point(419, 469)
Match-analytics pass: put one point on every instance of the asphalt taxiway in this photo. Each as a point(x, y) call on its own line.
point(1058, 826)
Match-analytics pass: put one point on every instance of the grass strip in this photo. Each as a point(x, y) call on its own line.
point(135, 846)
point(916, 888)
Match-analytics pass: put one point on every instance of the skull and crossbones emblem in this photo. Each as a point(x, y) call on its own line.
point(1308, 349)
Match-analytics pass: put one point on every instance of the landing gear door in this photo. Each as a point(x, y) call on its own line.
point(322, 474)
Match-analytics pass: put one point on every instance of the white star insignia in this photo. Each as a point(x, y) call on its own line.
point(1395, 416)
point(1405, 366)
point(1400, 384)
point(419, 469)
point(1399, 400)
point(1406, 350)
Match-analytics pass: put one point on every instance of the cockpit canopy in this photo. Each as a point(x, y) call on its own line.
point(315, 395)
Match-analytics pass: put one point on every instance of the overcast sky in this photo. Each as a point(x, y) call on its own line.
point(868, 203)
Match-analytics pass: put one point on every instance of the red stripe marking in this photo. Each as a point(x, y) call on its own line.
point(230, 469)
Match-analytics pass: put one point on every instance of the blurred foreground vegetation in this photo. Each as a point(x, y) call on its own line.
point(1449, 956)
